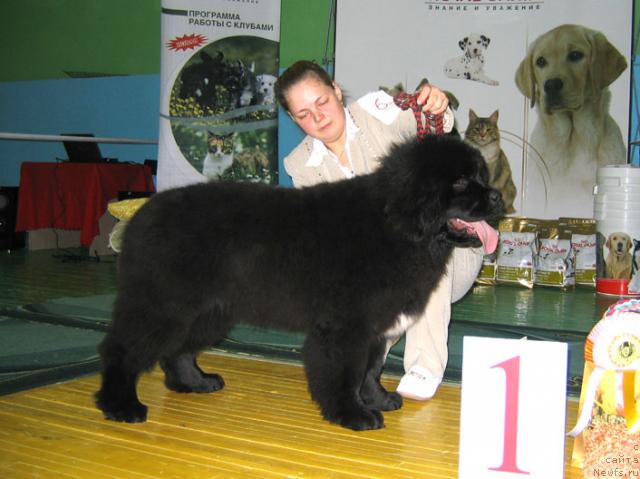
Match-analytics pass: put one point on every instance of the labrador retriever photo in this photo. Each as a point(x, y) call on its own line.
point(566, 74)
point(340, 261)
point(619, 261)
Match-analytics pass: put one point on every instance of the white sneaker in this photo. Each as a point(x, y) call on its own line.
point(418, 384)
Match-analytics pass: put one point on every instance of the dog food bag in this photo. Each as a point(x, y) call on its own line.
point(582, 233)
point(554, 262)
point(517, 250)
point(487, 274)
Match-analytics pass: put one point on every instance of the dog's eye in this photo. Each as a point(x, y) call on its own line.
point(575, 56)
point(541, 62)
point(460, 185)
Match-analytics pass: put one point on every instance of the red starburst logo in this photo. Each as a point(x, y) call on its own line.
point(186, 42)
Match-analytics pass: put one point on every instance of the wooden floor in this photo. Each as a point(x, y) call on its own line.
point(262, 425)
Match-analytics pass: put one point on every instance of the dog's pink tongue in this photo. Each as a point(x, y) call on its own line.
point(486, 233)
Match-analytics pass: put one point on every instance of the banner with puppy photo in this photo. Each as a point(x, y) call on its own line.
point(541, 87)
point(218, 117)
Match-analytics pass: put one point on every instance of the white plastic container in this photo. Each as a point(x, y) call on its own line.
point(617, 215)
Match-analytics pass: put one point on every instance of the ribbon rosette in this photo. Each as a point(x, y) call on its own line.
point(614, 345)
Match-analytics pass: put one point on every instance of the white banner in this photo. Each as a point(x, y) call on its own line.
point(217, 110)
point(562, 111)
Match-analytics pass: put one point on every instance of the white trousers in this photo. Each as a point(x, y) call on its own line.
point(426, 340)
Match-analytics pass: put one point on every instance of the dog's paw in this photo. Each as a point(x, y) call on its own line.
point(206, 383)
point(392, 402)
point(131, 412)
point(214, 382)
point(383, 401)
point(360, 419)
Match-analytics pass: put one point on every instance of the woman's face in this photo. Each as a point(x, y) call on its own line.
point(317, 109)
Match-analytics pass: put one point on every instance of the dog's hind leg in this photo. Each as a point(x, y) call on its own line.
point(335, 364)
point(372, 393)
point(117, 397)
point(182, 373)
point(129, 349)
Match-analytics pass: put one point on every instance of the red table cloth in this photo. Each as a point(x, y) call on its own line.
point(74, 196)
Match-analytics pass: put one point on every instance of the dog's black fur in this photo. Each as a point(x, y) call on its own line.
point(340, 261)
point(200, 80)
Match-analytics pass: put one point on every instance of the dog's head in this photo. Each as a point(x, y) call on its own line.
point(435, 187)
point(214, 81)
point(619, 243)
point(199, 78)
point(474, 45)
point(265, 84)
point(567, 65)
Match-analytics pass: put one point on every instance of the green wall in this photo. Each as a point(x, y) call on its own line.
point(43, 39)
point(51, 39)
point(303, 31)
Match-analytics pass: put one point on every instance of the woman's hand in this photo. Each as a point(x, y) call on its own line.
point(433, 100)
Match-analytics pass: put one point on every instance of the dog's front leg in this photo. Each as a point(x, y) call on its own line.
point(481, 77)
point(335, 364)
point(372, 393)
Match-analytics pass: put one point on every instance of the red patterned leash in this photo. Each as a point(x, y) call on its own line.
point(433, 124)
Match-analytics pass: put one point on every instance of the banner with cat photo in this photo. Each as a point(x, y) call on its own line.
point(218, 117)
point(542, 87)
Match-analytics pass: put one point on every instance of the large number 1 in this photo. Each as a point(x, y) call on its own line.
point(511, 368)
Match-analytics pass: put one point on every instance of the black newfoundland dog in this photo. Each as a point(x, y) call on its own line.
point(340, 261)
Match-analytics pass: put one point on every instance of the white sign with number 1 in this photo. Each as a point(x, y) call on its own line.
point(513, 409)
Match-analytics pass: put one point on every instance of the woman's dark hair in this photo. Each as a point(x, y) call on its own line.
point(300, 70)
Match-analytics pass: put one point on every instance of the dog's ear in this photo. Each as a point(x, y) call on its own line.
point(205, 57)
point(607, 62)
point(608, 243)
point(463, 43)
point(412, 212)
point(525, 80)
point(406, 218)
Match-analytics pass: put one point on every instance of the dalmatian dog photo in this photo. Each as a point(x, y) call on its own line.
point(470, 65)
